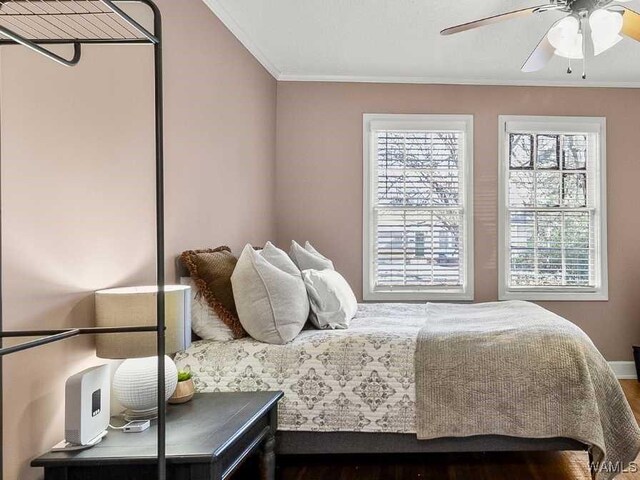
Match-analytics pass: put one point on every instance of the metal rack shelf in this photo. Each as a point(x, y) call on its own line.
point(37, 24)
point(51, 336)
point(33, 23)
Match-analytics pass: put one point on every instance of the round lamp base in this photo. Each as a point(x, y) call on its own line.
point(135, 386)
point(131, 415)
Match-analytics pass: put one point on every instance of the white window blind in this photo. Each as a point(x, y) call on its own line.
point(416, 207)
point(553, 225)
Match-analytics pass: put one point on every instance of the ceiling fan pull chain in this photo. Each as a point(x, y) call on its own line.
point(583, 32)
point(569, 70)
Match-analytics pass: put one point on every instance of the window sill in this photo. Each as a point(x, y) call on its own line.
point(386, 296)
point(573, 296)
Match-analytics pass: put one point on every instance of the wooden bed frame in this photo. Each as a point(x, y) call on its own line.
point(319, 443)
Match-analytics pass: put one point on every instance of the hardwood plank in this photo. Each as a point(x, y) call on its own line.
point(631, 390)
point(490, 466)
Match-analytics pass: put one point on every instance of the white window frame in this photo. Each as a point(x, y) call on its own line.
point(542, 124)
point(375, 122)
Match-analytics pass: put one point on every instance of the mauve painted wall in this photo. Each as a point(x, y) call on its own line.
point(319, 180)
point(78, 190)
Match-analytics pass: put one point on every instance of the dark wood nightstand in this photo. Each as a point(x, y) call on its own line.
point(207, 439)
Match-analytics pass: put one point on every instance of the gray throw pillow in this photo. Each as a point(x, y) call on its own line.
point(308, 257)
point(270, 296)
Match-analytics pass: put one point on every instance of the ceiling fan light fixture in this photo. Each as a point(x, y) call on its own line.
point(605, 26)
point(566, 38)
point(591, 28)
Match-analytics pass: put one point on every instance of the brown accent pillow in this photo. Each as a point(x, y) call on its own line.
point(211, 271)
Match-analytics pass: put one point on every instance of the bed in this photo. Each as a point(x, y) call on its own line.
point(354, 390)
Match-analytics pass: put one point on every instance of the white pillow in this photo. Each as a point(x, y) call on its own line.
point(308, 257)
point(270, 295)
point(333, 303)
point(205, 323)
point(278, 258)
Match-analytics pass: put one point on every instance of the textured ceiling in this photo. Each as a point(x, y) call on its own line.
point(399, 40)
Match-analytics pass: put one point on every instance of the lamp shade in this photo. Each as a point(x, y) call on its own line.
point(136, 306)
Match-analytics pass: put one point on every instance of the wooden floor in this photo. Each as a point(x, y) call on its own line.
point(490, 466)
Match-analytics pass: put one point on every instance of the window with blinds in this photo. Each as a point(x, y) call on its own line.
point(417, 215)
point(552, 192)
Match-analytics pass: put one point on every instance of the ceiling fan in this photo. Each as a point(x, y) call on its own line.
point(590, 28)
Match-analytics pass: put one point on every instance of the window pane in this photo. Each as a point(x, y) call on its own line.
point(520, 151)
point(418, 188)
point(548, 151)
point(548, 187)
point(390, 187)
point(430, 150)
point(578, 252)
point(575, 190)
point(549, 248)
point(418, 169)
point(390, 150)
point(432, 188)
point(521, 189)
point(574, 152)
point(419, 248)
point(418, 149)
point(390, 246)
point(522, 261)
point(445, 150)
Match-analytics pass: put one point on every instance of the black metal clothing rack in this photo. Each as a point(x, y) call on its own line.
point(36, 24)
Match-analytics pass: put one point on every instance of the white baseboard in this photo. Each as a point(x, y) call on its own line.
point(624, 370)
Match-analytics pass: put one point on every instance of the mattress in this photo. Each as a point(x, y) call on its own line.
point(356, 380)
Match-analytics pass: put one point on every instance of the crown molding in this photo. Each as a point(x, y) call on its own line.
point(229, 22)
point(285, 77)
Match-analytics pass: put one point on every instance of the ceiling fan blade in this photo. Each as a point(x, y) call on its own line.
point(631, 23)
point(496, 18)
point(540, 56)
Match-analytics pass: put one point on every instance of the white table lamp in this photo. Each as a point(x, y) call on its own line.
point(135, 381)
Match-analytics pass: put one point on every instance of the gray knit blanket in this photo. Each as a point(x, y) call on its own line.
point(516, 369)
